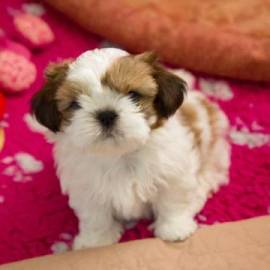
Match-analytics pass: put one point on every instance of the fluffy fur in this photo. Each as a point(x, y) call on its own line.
point(159, 159)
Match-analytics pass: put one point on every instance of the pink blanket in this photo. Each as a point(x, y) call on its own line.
point(35, 218)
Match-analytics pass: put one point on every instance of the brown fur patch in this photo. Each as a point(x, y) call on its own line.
point(161, 91)
point(56, 72)
point(134, 73)
point(190, 119)
point(66, 91)
point(159, 123)
point(44, 103)
point(171, 90)
point(65, 95)
point(131, 74)
point(213, 117)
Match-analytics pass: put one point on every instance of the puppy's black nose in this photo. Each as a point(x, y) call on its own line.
point(107, 118)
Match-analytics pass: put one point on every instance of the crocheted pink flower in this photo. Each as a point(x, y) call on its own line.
point(33, 29)
point(16, 72)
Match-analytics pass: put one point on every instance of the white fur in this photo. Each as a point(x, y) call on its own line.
point(138, 172)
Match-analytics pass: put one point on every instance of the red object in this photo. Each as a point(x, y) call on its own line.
point(2, 105)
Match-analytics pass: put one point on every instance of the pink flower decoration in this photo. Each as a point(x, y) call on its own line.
point(16, 72)
point(33, 29)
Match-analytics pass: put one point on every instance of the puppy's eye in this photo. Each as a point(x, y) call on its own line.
point(134, 95)
point(74, 105)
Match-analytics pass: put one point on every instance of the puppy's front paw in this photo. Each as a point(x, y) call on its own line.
point(80, 242)
point(175, 229)
point(98, 238)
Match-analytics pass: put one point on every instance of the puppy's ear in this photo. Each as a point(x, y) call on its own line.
point(171, 91)
point(147, 57)
point(44, 104)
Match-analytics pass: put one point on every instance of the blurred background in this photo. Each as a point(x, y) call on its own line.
point(219, 47)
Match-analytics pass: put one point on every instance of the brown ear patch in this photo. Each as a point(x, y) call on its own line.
point(171, 90)
point(44, 103)
point(161, 92)
point(134, 74)
point(57, 71)
point(147, 57)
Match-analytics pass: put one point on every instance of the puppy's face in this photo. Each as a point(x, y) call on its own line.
point(107, 101)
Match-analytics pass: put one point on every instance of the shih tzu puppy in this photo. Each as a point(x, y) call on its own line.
point(130, 143)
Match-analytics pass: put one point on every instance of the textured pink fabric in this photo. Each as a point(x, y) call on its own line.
point(33, 29)
point(35, 218)
point(6, 43)
point(16, 72)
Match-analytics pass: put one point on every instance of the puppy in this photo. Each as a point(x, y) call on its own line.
point(128, 146)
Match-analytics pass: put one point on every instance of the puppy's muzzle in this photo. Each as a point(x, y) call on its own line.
point(107, 118)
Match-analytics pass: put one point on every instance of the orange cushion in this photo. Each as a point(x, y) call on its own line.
point(228, 38)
